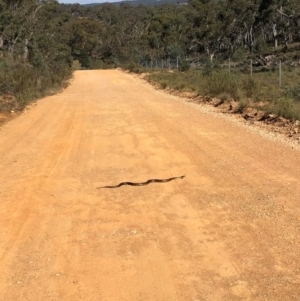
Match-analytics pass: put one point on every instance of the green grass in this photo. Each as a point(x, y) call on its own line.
point(181, 81)
point(262, 86)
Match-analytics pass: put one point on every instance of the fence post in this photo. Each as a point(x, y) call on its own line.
point(280, 74)
point(251, 67)
point(177, 62)
point(162, 64)
point(229, 65)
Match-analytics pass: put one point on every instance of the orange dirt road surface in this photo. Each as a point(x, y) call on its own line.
point(228, 231)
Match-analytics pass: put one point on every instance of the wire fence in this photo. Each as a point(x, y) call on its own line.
point(251, 67)
point(169, 63)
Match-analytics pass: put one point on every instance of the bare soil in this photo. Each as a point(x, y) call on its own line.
point(253, 113)
point(228, 231)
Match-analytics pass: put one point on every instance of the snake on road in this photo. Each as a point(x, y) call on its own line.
point(143, 183)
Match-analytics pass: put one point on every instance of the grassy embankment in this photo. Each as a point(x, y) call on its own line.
point(21, 82)
point(260, 91)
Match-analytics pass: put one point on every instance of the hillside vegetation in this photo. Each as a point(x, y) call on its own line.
point(41, 42)
point(34, 58)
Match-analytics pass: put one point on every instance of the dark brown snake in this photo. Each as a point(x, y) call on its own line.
point(143, 183)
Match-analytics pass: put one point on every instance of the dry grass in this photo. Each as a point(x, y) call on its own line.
point(262, 86)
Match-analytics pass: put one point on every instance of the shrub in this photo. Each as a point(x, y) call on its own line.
point(261, 45)
point(222, 82)
point(292, 92)
point(238, 55)
point(224, 97)
point(163, 85)
point(250, 87)
point(24, 82)
point(284, 107)
point(184, 65)
point(132, 67)
point(76, 65)
point(209, 67)
point(180, 86)
point(242, 105)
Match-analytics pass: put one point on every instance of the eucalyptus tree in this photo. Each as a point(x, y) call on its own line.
point(18, 25)
point(33, 55)
point(208, 27)
point(168, 31)
point(289, 12)
point(280, 19)
point(241, 17)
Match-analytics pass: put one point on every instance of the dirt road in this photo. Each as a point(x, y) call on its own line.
point(228, 231)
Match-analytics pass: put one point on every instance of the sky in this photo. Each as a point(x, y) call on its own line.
point(86, 1)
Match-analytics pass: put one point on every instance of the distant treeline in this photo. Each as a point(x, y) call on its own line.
point(112, 35)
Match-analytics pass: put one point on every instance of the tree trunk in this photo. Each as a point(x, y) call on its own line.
point(25, 54)
point(274, 30)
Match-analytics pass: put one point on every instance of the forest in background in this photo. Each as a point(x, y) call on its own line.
point(42, 41)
